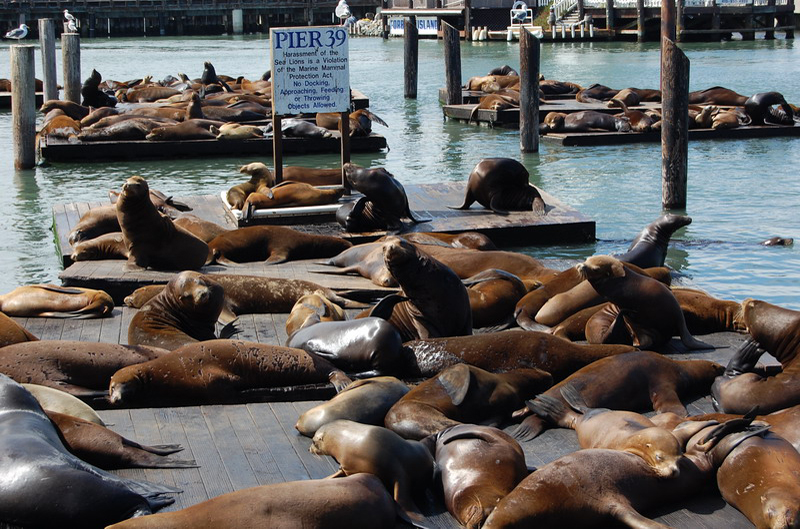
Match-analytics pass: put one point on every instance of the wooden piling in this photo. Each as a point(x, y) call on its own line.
point(47, 41)
point(679, 20)
point(529, 52)
point(23, 106)
point(452, 64)
point(640, 20)
point(71, 60)
point(610, 17)
point(411, 56)
point(345, 131)
point(277, 148)
point(675, 113)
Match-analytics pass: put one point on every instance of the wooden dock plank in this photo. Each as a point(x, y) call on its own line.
point(317, 466)
point(148, 432)
point(188, 480)
point(289, 464)
point(256, 449)
point(212, 469)
point(235, 461)
point(111, 328)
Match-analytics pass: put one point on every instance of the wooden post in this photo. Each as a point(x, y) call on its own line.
point(640, 20)
point(452, 64)
point(345, 130)
point(529, 51)
point(277, 148)
point(715, 19)
point(467, 20)
point(47, 41)
point(581, 10)
point(23, 106)
point(71, 60)
point(679, 20)
point(675, 113)
point(770, 21)
point(411, 55)
point(610, 17)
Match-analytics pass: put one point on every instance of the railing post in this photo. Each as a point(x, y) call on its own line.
point(529, 53)
point(47, 41)
point(23, 106)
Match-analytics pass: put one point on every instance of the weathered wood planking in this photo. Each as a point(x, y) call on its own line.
point(474, 96)
point(586, 139)
point(61, 150)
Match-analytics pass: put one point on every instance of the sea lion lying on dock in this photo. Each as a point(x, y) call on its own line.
point(584, 121)
point(273, 244)
point(53, 301)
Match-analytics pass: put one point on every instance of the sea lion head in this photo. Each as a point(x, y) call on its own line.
point(125, 383)
point(197, 293)
point(601, 266)
point(397, 252)
point(260, 173)
point(553, 122)
point(135, 187)
point(622, 124)
point(659, 448)
point(780, 509)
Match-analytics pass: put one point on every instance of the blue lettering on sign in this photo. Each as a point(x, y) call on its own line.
point(330, 38)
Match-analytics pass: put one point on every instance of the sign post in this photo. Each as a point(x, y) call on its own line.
point(310, 74)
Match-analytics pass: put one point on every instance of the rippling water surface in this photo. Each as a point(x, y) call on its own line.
point(740, 192)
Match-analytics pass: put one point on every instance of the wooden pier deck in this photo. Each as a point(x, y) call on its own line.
point(510, 117)
point(5, 99)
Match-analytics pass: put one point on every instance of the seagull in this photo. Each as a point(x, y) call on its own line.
point(71, 22)
point(17, 34)
point(342, 10)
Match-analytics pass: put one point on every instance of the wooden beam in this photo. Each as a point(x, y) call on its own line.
point(452, 64)
point(529, 53)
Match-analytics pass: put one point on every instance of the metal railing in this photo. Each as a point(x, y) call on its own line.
point(563, 7)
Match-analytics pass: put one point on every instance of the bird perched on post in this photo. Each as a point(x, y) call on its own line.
point(72, 22)
point(17, 34)
point(342, 10)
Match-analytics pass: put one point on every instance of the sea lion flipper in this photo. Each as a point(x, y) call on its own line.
point(529, 428)
point(468, 201)
point(549, 408)
point(539, 207)
point(574, 398)
point(627, 515)
point(162, 450)
point(61, 290)
point(385, 306)
point(276, 258)
point(229, 329)
point(456, 382)
point(416, 220)
point(494, 205)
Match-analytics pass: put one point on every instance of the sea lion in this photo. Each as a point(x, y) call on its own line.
point(359, 122)
point(502, 185)
point(717, 95)
point(627, 97)
point(723, 119)
point(772, 329)
point(404, 467)
point(614, 429)
point(97, 114)
point(705, 314)
point(503, 70)
point(238, 132)
point(432, 300)
point(503, 351)
point(778, 241)
point(44, 482)
point(364, 401)
point(640, 121)
point(573, 328)
point(73, 110)
point(368, 346)
point(12, 332)
point(595, 93)
point(95, 222)
point(311, 309)
point(315, 177)
point(634, 381)
point(759, 107)
point(381, 188)
point(649, 248)
point(300, 128)
point(467, 239)
point(217, 371)
point(291, 194)
point(132, 129)
point(58, 125)
point(363, 215)
point(146, 94)
point(92, 96)
point(103, 448)
point(475, 83)
point(584, 121)
point(106, 246)
point(52, 301)
point(55, 400)
point(359, 502)
point(464, 394)
point(366, 260)
point(188, 130)
point(152, 239)
point(78, 368)
point(185, 311)
point(493, 294)
point(479, 466)
point(260, 175)
point(491, 102)
point(650, 310)
point(202, 229)
point(273, 244)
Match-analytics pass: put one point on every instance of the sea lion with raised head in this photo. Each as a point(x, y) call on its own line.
point(260, 175)
point(383, 189)
point(649, 248)
point(759, 108)
point(502, 185)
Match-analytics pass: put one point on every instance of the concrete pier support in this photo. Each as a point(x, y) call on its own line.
point(237, 16)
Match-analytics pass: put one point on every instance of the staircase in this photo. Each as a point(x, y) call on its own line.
point(569, 18)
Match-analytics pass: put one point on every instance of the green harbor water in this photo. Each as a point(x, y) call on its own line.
point(740, 192)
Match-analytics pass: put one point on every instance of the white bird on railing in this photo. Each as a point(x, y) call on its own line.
point(17, 34)
point(71, 22)
point(342, 10)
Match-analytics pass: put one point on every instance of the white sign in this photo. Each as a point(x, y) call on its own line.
point(310, 70)
point(425, 25)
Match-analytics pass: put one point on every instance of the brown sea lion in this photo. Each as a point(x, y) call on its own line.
point(574, 327)
point(493, 294)
point(717, 95)
point(475, 83)
point(259, 175)
point(147, 94)
point(315, 177)
point(723, 119)
point(239, 132)
point(639, 120)
point(44, 482)
point(366, 260)
point(404, 467)
point(650, 310)
point(364, 401)
point(52, 301)
point(78, 368)
point(55, 400)
point(467, 239)
point(58, 125)
point(358, 502)
point(310, 309)
point(491, 102)
point(273, 244)
point(705, 314)
point(502, 185)
point(479, 466)
point(97, 114)
point(635, 381)
point(584, 121)
point(381, 188)
point(464, 394)
point(503, 351)
point(217, 371)
point(187, 130)
point(93, 223)
point(73, 110)
point(595, 93)
point(432, 301)
point(202, 229)
point(107, 246)
point(152, 239)
point(362, 215)
point(185, 311)
point(101, 447)
point(133, 129)
point(613, 429)
point(772, 329)
point(291, 194)
point(12, 332)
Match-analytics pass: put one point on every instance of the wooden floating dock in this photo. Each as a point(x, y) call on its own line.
point(510, 117)
point(5, 99)
point(474, 96)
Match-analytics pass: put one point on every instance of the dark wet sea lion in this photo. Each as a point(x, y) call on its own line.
point(503, 70)
point(363, 215)
point(364, 401)
point(503, 351)
point(101, 447)
point(758, 107)
point(311, 309)
point(217, 371)
point(635, 381)
point(73, 110)
point(432, 301)
point(357, 502)
point(153, 240)
point(107, 246)
point(466, 262)
point(404, 467)
point(493, 294)
point(649, 248)
point(185, 311)
point(79, 368)
point(53, 301)
point(95, 222)
point(365, 345)
point(273, 244)
point(147, 94)
point(12, 332)
point(300, 128)
point(464, 394)
point(479, 466)
point(92, 96)
point(595, 93)
point(584, 121)
point(381, 188)
point(640, 121)
point(778, 241)
point(651, 312)
point(772, 329)
point(97, 114)
point(45, 483)
point(717, 95)
point(502, 185)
